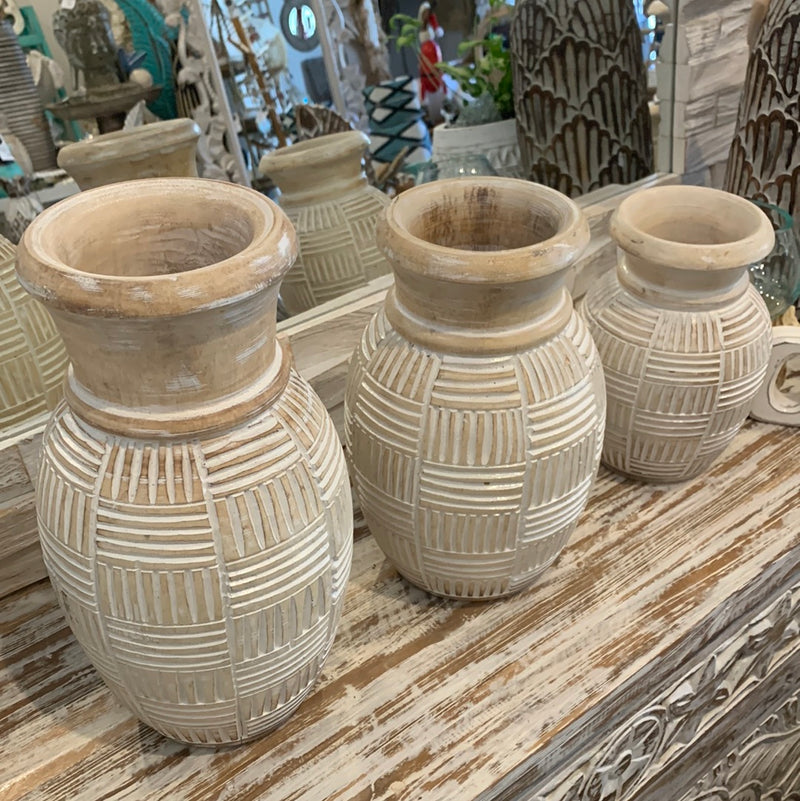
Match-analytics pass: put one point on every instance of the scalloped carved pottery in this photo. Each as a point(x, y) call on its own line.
point(193, 501)
point(158, 150)
point(325, 193)
point(684, 337)
point(32, 355)
point(475, 405)
point(580, 94)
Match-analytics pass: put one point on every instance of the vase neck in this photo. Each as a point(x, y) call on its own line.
point(680, 288)
point(477, 319)
point(308, 185)
point(174, 376)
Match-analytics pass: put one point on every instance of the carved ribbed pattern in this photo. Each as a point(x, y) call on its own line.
point(679, 383)
point(32, 356)
point(472, 471)
point(580, 94)
point(204, 578)
point(338, 252)
point(764, 159)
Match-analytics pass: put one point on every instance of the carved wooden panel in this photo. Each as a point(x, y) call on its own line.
point(580, 94)
point(764, 159)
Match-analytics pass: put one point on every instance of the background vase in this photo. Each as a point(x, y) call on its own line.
point(497, 141)
point(764, 159)
point(158, 150)
point(580, 94)
point(20, 103)
point(32, 355)
point(474, 407)
point(325, 193)
point(684, 336)
point(193, 503)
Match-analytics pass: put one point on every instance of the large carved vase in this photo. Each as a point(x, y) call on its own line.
point(475, 407)
point(32, 355)
point(158, 150)
point(764, 159)
point(325, 193)
point(684, 337)
point(580, 94)
point(193, 501)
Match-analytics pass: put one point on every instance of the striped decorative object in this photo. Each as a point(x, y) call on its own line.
point(475, 406)
point(395, 121)
point(683, 335)
point(32, 356)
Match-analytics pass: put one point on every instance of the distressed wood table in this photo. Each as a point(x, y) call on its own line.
point(657, 660)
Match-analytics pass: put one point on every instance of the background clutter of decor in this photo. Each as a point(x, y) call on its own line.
point(194, 506)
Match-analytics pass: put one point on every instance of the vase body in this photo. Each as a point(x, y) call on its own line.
point(32, 355)
point(193, 500)
point(158, 150)
point(684, 336)
point(495, 140)
point(764, 159)
point(580, 94)
point(334, 210)
point(474, 408)
point(20, 103)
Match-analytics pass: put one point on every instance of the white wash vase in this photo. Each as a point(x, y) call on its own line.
point(474, 408)
point(193, 501)
point(684, 337)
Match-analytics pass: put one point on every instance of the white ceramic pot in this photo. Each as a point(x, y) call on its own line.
point(193, 501)
point(495, 140)
point(684, 336)
point(475, 407)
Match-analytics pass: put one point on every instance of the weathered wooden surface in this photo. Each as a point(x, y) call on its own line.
point(423, 698)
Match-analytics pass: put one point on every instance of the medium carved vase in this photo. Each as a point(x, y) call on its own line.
point(325, 193)
point(32, 355)
point(193, 501)
point(475, 407)
point(580, 94)
point(158, 150)
point(684, 337)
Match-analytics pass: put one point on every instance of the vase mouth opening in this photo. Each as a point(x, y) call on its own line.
point(489, 229)
point(692, 227)
point(155, 247)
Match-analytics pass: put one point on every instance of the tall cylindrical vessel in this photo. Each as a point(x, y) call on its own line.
point(158, 150)
point(193, 501)
point(475, 406)
point(683, 335)
point(325, 193)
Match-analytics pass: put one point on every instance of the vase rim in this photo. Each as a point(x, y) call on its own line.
point(568, 232)
point(267, 252)
point(311, 153)
point(127, 144)
point(742, 234)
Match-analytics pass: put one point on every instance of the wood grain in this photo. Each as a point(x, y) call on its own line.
point(423, 698)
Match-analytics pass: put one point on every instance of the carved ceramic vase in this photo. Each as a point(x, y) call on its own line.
point(32, 355)
point(193, 501)
point(684, 336)
point(580, 94)
point(475, 407)
point(158, 150)
point(325, 193)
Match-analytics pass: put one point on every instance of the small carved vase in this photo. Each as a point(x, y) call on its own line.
point(32, 355)
point(193, 501)
point(475, 406)
point(158, 150)
point(684, 337)
point(325, 193)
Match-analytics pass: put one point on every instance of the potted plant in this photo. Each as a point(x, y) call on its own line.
point(483, 122)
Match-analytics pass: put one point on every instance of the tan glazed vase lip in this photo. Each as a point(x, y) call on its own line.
point(692, 228)
point(420, 216)
point(321, 150)
point(51, 254)
point(132, 144)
